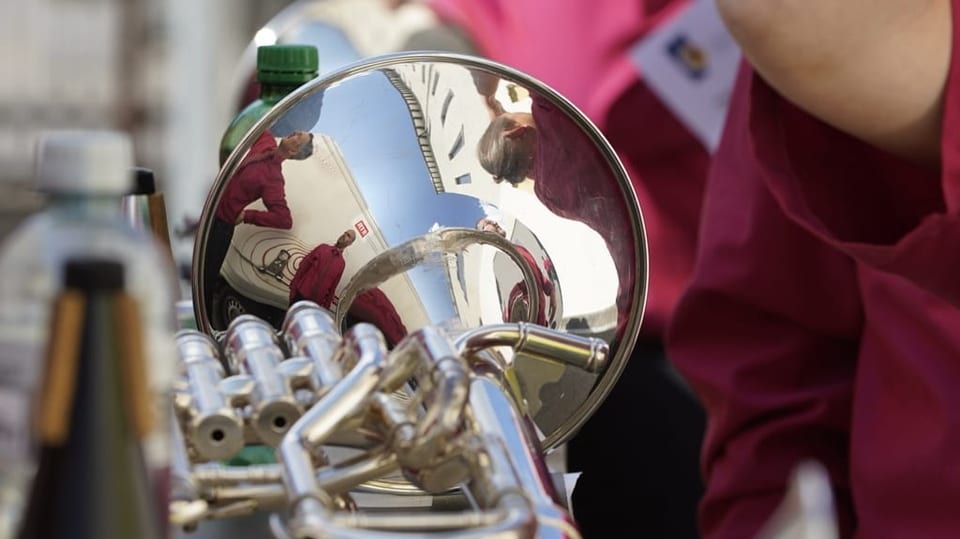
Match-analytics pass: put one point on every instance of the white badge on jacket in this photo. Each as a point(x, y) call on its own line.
point(690, 62)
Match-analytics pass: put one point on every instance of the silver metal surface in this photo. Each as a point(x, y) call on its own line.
point(213, 426)
point(438, 240)
point(251, 348)
point(443, 417)
point(309, 331)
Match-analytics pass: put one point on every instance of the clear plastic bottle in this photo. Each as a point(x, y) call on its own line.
point(281, 69)
point(85, 175)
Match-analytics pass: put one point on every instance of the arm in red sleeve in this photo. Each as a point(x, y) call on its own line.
point(277, 214)
point(767, 334)
point(882, 210)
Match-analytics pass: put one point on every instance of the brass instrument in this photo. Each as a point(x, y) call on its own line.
point(431, 360)
point(450, 357)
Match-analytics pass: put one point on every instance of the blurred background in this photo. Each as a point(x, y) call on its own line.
point(162, 70)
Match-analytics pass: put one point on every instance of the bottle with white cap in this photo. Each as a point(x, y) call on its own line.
point(84, 174)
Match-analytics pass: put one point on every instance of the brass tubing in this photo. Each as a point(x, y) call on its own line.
point(591, 355)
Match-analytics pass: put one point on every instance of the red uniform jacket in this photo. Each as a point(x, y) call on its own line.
point(519, 290)
point(565, 165)
point(264, 143)
point(259, 177)
point(823, 322)
point(374, 307)
point(318, 275)
point(590, 65)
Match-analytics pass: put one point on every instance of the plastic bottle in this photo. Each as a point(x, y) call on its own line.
point(280, 70)
point(91, 415)
point(84, 174)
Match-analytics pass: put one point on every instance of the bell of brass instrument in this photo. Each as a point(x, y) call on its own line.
point(441, 313)
point(460, 286)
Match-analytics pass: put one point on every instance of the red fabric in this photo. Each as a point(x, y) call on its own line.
point(264, 143)
point(375, 307)
point(822, 322)
point(588, 63)
point(259, 177)
point(565, 163)
point(318, 275)
point(519, 290)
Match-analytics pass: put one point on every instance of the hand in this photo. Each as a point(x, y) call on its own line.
point(240, 218)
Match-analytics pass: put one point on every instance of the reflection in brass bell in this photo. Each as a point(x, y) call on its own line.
point(433, 190)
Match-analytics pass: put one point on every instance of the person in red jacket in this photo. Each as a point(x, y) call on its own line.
point(518, 294)
point(374, 307)
point(543, 146)
point(259, 177)
point(645, 437)
point(320, 271)
point(823, 319)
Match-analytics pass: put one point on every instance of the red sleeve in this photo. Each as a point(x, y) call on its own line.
point(950, 147)
point(896, 216)
point(767, 334)
point(277, 214)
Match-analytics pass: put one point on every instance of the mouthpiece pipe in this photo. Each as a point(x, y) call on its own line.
point(589, 354)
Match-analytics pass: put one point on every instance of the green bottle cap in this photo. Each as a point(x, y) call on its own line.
point(286, 64)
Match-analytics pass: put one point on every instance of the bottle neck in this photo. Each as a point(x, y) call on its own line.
point(271, 93)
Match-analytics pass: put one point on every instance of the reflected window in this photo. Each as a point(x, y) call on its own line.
point(463, 179)
point(457, 145)
point(446, 106)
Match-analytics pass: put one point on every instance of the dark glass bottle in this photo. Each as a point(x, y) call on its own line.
point(281, 69)
point(145, 208)
point(94, 411)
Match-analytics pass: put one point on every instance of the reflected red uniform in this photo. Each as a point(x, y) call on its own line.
point(823, 322)
point(264, 143)
point(318, 275)
point(581, 50)
point(260, 177)
point(374, 307)
point(644, 438)
point(519, 290)
point(566, 167)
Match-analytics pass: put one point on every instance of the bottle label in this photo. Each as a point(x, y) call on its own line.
point(23, 333)
point(14, 427)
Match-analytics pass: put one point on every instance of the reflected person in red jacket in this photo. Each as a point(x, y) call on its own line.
point(823, 317)
point(518, 298)
point(320, 271)
point(374, 307)
point(259, 177)
point(569, 177)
